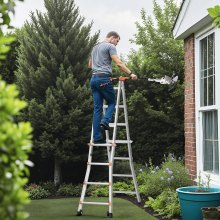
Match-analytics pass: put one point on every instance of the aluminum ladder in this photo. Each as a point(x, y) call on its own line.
point(111, 144)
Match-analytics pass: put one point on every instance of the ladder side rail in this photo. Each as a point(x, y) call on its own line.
point(113, 149)
point(88, 169)
point(107, 137)
point(129, 144)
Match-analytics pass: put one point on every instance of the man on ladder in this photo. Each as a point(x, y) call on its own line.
point(102, 88)
point(101, 64)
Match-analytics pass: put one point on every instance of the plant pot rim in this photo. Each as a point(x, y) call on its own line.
point(191, 190)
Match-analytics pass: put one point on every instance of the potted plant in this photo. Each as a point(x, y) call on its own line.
point(194, 198)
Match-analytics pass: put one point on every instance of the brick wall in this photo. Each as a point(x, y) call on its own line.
point(189, 107)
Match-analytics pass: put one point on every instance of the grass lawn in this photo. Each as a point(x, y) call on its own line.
point(66, 209)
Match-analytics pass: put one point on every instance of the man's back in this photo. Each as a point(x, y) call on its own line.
point(101, 58)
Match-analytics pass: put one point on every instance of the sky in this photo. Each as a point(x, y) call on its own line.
point(114, 15)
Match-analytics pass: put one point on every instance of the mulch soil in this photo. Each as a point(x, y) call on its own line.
point(146, 209)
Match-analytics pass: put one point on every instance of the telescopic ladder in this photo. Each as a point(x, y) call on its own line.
point(111, 144)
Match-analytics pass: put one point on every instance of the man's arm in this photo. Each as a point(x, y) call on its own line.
point(122, 66)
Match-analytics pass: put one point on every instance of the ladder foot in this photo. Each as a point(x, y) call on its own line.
point(79, 213)
point(110, 215)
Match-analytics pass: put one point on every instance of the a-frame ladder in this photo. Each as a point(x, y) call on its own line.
point(111, 144)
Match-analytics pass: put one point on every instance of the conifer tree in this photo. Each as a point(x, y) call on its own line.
point(53, 78)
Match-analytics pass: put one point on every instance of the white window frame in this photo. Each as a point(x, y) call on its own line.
point(215, 178)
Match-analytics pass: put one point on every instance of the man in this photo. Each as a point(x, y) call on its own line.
point(102, 88)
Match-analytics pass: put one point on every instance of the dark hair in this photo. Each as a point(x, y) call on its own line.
point(113, 33)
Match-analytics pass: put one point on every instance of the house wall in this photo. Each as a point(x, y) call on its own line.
point(192, 17)
point(189, 106)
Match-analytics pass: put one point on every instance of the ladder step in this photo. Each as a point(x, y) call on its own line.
point(120, 106)
point(101, 145)
point(121, 141)
point(122, 175)
point(125, 192)
point(122, 158)
point(98, 164)
point(97, 183)
point(95, 203)
point(118, 124)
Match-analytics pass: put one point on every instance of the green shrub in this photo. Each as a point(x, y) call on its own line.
point(15, 144)
point(50, 187)
point(166, 204)
point(69, 190)
point(170, 175)
point(103, 191)
point(37, 192)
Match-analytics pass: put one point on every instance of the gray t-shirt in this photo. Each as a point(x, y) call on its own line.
point(101, 57)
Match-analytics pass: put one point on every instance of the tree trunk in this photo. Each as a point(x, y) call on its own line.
point(57, 172)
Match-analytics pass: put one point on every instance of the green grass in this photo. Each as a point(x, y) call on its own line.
point(66, 209)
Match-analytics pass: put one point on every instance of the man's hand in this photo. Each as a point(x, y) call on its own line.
point(133, 76)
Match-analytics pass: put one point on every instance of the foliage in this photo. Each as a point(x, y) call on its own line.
point(52, 76)
point(8, 66)
point(170, 175)
point(36, 192)
point(49, 186)
point(6, 8)
point(166, 204)
point(69, 190)
point(203, 186)
point(15, 144)
point(215, 14)
point(155, 113)
point(103, 191)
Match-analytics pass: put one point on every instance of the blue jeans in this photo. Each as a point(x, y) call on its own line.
point(101, 93)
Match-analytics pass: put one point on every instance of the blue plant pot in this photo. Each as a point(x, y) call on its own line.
point(192, 202)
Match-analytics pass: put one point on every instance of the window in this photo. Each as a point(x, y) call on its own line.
point(207, 80)
point(209, 122)
point(210, 142)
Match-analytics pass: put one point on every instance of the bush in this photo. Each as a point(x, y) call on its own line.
point(69, 190)
point(37, 192)
point(166, 204)
point(103, 191)
point(50, 187)
point(15, 144)
point(171, 175)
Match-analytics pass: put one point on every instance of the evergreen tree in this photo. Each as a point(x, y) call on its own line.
point(8, 66)
point(156, 114)
point(52, 74)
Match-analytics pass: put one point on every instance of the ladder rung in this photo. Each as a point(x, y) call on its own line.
point(121, 141)
point(122, 175)
point(122, 158)
point(118, 124)
point(95, 203)
point(97, 183)
point(101, 145)
point(120, 106)
point(125, 192)
point(116, 87)
point(98, 164)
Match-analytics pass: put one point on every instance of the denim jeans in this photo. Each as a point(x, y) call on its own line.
point(101, 93)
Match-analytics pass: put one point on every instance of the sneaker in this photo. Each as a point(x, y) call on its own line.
point(100, 141)
point(104, 126)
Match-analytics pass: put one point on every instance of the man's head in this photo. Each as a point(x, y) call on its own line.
point(113, 37)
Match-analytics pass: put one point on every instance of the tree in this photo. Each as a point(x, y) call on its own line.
point(15, 138)
point(52, 74)
point(156, 114)
point(215, 14)
point(8, 65)
point(5, 10)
